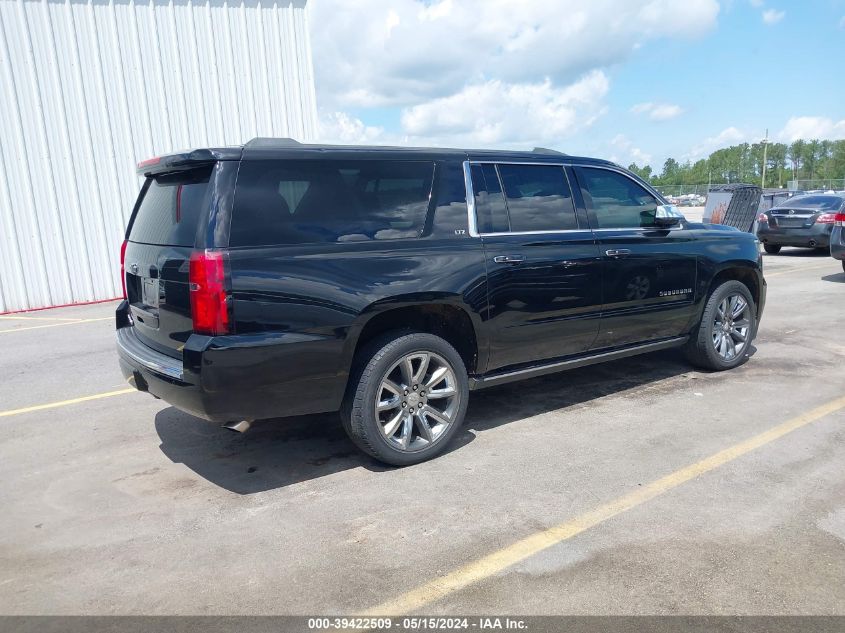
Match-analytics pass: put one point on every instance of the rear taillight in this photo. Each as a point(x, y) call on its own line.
point(123, 267)
point(826, 218)
point(839, 220)
point(209, 301)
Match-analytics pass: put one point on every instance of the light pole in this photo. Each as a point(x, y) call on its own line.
point(765, 148)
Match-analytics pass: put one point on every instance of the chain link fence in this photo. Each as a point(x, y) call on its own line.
point(825, 184)
point(682, 190)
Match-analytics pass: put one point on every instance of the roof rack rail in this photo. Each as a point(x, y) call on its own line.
point(546, 150)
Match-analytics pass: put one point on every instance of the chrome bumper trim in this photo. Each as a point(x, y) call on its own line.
point(129, 344)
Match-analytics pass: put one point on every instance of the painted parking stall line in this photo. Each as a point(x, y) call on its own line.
point(65, 403)
point(500, 560)
point(41, 327)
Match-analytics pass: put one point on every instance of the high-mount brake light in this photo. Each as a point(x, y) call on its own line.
point(209, 300)
point(149, 162)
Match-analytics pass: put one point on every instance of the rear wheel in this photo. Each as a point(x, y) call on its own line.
point(407, 398)
point(771, 249)
point(727, 326)
point(843, 265)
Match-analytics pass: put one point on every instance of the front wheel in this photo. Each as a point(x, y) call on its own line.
point(407, 398)
point(771, 249)
point(727, 326)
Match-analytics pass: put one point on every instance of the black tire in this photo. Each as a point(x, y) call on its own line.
point(771, 249)
point(373, 363)
point(843, 265)
point(701, 350)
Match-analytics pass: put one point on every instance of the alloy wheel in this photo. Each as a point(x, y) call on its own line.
point(416, 401)
point(731, 327)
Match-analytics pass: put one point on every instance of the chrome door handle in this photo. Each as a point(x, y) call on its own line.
point(617, 252)
point(509, 259)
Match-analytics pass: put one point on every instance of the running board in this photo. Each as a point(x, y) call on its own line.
point(480, 382)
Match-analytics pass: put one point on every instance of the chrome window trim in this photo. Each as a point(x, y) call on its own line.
point(472, 221)
point(503, 233)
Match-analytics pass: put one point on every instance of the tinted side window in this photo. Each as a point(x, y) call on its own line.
point(538, 198)
point(296, 202)
point(171, 209)
point(490, 211)
point(616, 201)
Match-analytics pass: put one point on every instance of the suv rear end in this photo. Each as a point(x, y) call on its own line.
point(174, 274)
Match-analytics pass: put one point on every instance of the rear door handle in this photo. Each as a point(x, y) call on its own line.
point(617, 252)
point(509, 259)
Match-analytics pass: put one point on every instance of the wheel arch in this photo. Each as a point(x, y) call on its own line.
point(443, 316)
point(742, 271)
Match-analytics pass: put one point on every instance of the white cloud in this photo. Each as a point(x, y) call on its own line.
point(339, 127)
point(772, 16)
point(495, 113)
point(727, 137)
point(812, 127)
point(372, 53)
point(658, 111)
point(625, 153)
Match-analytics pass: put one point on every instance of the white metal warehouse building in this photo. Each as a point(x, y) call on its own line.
point(90, 87)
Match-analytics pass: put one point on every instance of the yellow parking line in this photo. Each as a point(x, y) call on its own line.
point(64, 403)
point(797, 269)
point(494, 563)
point(39, 327)
point(32, 318)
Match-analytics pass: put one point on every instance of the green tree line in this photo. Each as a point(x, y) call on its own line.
point(799, 160)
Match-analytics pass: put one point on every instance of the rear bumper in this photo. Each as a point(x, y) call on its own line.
point(816, 236)
point(228, 378)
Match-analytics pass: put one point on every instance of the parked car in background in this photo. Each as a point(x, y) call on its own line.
point(837, 238)
point(279, 279)
point(805, 221)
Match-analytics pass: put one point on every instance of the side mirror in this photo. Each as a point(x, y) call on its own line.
point(667, 215)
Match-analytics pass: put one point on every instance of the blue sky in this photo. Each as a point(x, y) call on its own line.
point(633, 80)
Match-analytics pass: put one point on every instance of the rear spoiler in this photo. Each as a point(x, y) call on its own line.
point(187, 160)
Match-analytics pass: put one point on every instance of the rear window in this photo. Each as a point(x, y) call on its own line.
point(535, 198)
point(823, 203)
point(538, 198)
point(171, 209)
point(490, 210)
point(298, 202)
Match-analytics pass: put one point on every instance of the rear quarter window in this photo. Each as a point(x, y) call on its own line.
point(171, 209)
point(306, 201)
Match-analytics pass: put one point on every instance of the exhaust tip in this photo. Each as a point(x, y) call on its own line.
point(241, 426)
point(813, 243)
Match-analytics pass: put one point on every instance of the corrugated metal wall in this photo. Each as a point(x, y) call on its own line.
point(89, 88)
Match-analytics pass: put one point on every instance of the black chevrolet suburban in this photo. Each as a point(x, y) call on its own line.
point(278, 279)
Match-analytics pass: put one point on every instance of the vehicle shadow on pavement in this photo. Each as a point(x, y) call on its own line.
point(836, 277)
point(280, 452)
